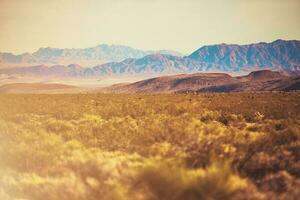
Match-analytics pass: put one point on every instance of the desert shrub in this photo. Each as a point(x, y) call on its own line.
point(170, 180)
point(207, 115)
point(58, 126)
point(166, 150)
point(139, 147)
point(284, 185)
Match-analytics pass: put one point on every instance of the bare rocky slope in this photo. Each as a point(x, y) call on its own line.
point(264, 80)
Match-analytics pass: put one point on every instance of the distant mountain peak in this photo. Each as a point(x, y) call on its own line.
point(281, 41)
point(92, 56)
point(280, 53)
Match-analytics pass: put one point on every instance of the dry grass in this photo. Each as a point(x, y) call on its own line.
point(150, 147)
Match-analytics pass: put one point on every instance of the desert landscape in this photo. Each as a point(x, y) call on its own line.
point(149, 100)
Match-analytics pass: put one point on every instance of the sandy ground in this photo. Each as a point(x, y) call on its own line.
point(78, 82)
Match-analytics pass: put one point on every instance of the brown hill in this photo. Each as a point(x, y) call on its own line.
point(264, 75)
point(211, 82)
point(283, 84)
point(173, 83)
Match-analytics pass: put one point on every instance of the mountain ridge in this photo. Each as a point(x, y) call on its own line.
point(99, 54)
point(279, 55)
point(283, 53)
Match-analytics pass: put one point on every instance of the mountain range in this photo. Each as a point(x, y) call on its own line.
point(87, 56)
point(263, 80)
point(279, 55)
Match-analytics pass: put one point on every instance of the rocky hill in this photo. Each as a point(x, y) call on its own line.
point(211, 82)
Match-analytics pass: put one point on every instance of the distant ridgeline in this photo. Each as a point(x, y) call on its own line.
point(279, 55)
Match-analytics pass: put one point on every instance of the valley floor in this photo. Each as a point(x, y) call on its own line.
point(150, 147)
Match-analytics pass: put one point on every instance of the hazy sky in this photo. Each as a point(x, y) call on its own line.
point(182, 25)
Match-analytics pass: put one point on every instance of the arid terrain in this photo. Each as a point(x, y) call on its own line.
point(38, 88)
point(263, 80)
point(150, 146)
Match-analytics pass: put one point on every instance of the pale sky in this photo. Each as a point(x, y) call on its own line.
point(181, 25)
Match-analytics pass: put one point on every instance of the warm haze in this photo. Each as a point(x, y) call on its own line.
point(181, 25)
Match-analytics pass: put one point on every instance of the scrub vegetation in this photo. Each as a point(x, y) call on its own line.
point(150, 147)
